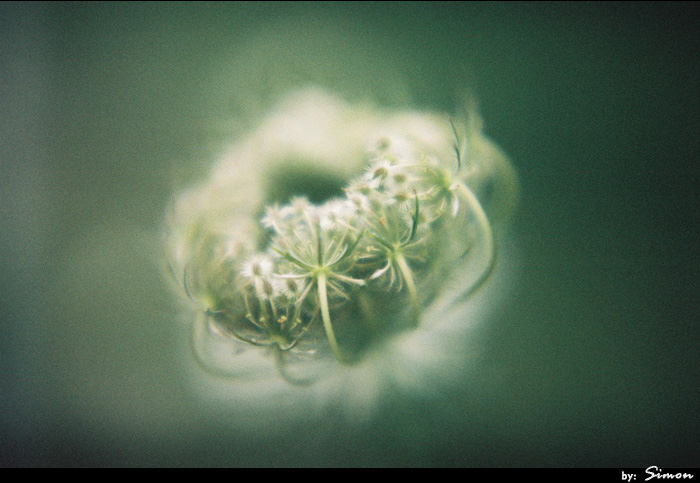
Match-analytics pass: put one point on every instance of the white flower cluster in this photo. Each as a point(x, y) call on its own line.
point(305, 279)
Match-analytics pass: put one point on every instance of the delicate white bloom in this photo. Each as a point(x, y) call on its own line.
point(257, 267)
point(350, 295)
point(273, 216)
point(379, 170)
point(293, 288)
point(337, 214)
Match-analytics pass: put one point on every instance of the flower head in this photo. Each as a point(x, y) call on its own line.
point(342, 275)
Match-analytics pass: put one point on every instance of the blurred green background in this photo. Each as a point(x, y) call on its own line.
point(107, 109)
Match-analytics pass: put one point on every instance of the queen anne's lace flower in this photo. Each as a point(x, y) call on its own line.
point(327, 286)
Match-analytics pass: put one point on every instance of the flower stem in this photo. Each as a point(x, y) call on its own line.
point(325, 314)
point(411, 285)
point(485, 225)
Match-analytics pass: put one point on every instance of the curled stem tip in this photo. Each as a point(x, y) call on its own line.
point(485, 226)
point(284, 373)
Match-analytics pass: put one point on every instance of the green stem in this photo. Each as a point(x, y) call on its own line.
point(325, 314)
point(485, 226)
point(411, 285)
